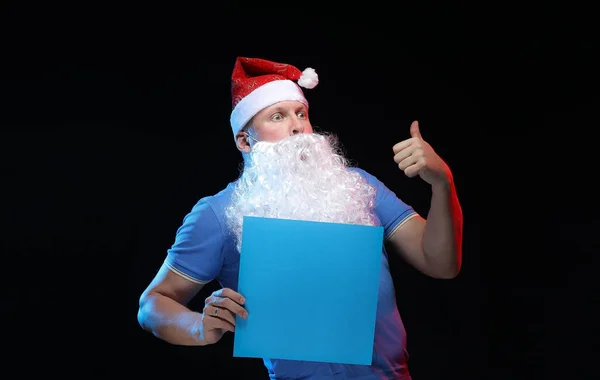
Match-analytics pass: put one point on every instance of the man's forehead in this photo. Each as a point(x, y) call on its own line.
point(286, 105)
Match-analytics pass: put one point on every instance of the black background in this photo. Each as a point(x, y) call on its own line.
point(115, 121)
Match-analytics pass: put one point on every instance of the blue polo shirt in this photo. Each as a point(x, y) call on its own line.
point(204, 250)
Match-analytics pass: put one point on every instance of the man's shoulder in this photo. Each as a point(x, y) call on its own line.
point(208, 213)
point(365, 174)
point(219, 200)
point(358, 170)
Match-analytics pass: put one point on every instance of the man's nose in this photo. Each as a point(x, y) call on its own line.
point(297, 128)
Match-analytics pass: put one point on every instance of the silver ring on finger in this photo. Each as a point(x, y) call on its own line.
point(216, 313)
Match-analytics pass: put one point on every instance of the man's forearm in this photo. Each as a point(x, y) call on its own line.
point(170, 321)
point(442, 239)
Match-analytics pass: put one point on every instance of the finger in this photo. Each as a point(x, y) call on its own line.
point(227, 303)
point(413, 170)
point(414, 130)
point(212, 311)
point(402, 145)
point(407, 162)
point(218, 323)
point(405, 153)
point(226, 292)
point(221, 313)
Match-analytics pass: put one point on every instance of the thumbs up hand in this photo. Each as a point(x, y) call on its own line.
point(415, 156)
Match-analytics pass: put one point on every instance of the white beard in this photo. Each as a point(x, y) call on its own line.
point(304, 177)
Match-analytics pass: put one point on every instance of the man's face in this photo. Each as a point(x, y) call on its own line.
point(281, 120)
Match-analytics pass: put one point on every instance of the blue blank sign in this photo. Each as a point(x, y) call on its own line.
point(311, 290)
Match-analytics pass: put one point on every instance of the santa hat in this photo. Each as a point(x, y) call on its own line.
point(257, 83)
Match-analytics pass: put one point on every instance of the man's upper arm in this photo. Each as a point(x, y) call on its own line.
point(407, 241)
point(170, 284)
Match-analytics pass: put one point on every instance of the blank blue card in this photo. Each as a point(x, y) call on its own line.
point(311, 290)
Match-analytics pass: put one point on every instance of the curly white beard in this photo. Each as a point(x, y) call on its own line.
point(304, 177)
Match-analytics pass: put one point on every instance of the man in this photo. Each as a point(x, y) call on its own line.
point(292, 172)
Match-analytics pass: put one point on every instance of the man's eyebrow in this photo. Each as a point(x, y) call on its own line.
point(301, 107)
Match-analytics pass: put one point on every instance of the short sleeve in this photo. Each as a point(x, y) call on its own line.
point(197, 252)
point(390, 210)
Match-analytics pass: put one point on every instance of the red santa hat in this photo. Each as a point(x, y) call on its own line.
point(257, 83)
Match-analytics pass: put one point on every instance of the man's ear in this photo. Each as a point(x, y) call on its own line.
point(243, 142)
